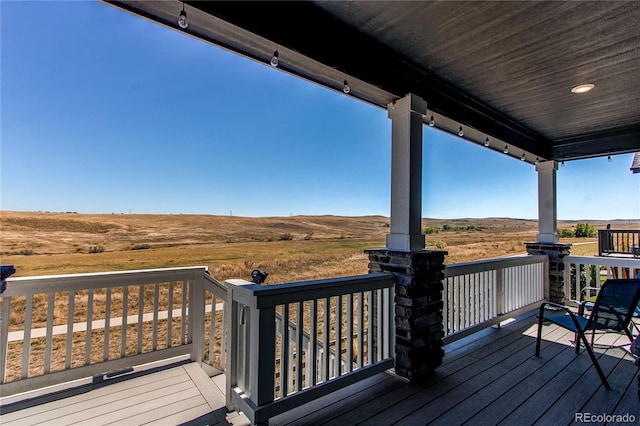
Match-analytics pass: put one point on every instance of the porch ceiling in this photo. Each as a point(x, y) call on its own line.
point(501, 70)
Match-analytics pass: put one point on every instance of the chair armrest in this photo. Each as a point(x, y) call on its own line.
point(596, 289)
point(555, 305)
point(582, 306)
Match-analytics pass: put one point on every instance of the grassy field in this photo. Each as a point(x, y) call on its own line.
point(288, 248)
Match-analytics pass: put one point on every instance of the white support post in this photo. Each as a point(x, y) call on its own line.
point(406, 116)
point(237, 329)
point(547, 202)
point(196, 311)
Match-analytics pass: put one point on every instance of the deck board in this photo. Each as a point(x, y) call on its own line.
point(456, 378)
point(582, 391)
point(212, 393)
point(605, 401)
point(566, 391)
point(487, 379)
point(141, 411)
point(494, 387)
point(383, 410)
point(439, 398)
point(170, 397)
point(523, 384)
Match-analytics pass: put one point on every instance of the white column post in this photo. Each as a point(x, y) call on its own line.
point(547, 203)
point(406, 116)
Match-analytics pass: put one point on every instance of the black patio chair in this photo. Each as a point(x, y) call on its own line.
point(612, 311)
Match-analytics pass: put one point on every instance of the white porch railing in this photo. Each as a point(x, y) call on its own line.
point(326, 334)
point(483, 293)
point(279, 345)
point(338, 332)
point(585, 274)
point(56, 329)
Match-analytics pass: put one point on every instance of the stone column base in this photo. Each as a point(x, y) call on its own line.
point(556, 252)
point(418, 308)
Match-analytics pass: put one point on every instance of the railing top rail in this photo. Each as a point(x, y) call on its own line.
point(604, 261)
point(219, 289)
point(273, 295)
point(40, 284)
point(492, 264)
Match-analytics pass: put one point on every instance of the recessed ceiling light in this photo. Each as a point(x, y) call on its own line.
point(583, 88)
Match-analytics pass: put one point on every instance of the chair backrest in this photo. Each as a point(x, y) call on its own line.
point(615, 305)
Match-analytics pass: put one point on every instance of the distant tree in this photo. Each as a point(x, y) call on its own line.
point(566, 233)
point(428, 229)
point(447, 227)
point(584, 230)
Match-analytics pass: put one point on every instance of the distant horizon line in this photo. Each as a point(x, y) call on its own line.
point(315, 215)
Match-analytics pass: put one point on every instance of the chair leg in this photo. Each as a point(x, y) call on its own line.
point(539, 338)
point(594, 361)
point(629, 335)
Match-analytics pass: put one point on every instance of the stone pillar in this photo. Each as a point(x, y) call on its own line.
point(418, 308)
point(556, 253)
point(547, 238)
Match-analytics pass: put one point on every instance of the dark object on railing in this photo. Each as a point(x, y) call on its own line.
point(258, 276)
point(618, 241)
point(5, 272)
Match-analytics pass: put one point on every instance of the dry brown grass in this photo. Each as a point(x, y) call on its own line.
point(288, 248)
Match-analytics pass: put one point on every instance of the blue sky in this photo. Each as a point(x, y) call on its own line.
point(104, 112)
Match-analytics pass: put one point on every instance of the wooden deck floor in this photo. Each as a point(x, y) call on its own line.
point(493, 380)
point(177, 394)
point(488, 379)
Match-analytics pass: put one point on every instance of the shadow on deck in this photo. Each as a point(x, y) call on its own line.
point(489, 378)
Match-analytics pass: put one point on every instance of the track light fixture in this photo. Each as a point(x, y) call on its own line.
point(537, 161)
point(460, 132)
point(523, 157)
point(345, 87)
point(182, 21)
point(274, 59)
point(432, 122)
point(609, 158)
point(486, 141)
point(506, 149)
